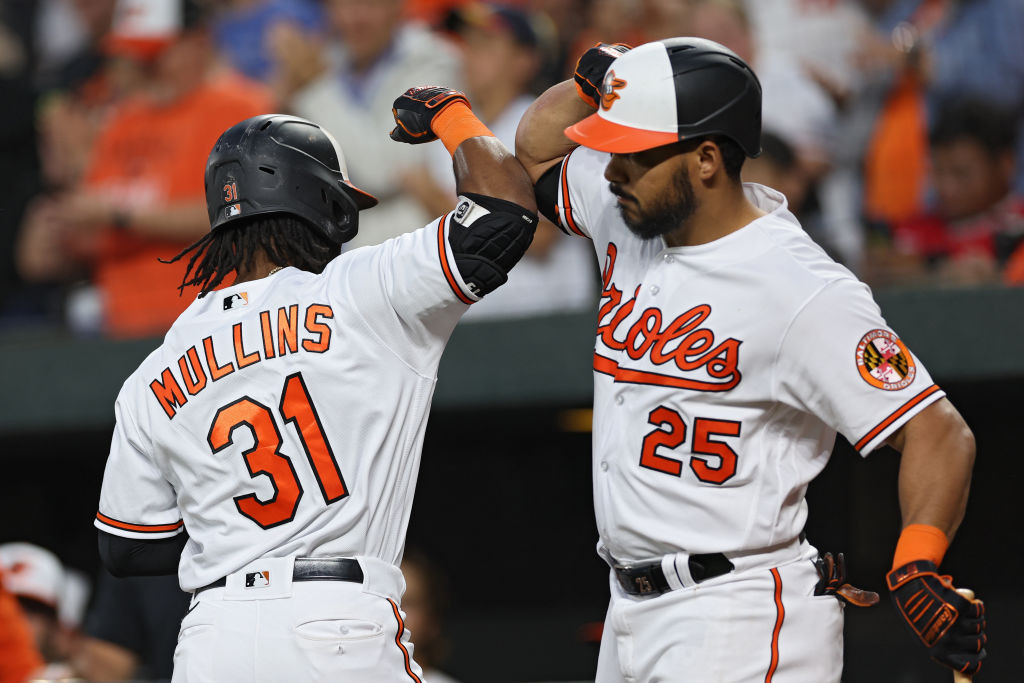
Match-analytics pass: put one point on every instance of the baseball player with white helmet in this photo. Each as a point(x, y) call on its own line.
point(729, 352)
point(268, 450)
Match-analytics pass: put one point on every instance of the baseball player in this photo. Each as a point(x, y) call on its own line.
point(729, 352)
point(268, 449)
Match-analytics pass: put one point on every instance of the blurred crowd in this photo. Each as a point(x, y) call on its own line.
point(892, 126)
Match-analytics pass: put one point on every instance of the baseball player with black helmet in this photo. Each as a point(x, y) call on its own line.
point(268, 450)
point(729, 352)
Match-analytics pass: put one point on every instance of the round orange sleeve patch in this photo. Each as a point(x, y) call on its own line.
point(884, 361)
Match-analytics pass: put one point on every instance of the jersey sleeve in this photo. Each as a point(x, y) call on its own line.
point(580, 180)
point(408, 290)
point(840, 361)
point(136, 501)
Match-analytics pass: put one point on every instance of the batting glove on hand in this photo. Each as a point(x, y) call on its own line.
point(415, 109)
point(832, 581)
point(950, 626)
point(590, 69)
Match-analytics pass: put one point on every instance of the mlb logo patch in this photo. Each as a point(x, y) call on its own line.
point(257, 579)
point(236, 300)
point(234, 210)
point(461, 211)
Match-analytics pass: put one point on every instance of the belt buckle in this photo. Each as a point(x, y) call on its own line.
point(633, 584)
point(644, 585)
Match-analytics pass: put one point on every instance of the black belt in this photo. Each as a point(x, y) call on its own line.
point(649, 579)
point(313, 569)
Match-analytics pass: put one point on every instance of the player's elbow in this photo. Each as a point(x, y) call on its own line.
point(954, 442)
point(957, 437)
point(526, 155)
point(540, 142)
point(966, 445)
point(488, 236)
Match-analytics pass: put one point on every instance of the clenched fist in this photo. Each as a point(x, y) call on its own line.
point(415, 109)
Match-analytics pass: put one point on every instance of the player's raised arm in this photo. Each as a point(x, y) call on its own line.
point(482, 164)
point(540, 138)
point(496, 216)
point(935, 476)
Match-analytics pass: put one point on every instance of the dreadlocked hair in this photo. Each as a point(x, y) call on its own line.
point(286, 240)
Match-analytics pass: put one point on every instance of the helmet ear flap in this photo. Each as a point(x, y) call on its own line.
point(344, 214)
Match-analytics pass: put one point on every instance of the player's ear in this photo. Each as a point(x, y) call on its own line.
point(709, 159)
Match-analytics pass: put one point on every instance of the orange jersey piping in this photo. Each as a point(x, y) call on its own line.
point(140, 528)
point(566, 208)
point(445, 266)
point(895, 415)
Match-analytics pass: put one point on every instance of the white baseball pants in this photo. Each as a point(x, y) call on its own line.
point(755, 625)
point(301, 631)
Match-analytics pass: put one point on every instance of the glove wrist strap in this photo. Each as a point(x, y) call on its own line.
point(920, 542)
point(455, 124)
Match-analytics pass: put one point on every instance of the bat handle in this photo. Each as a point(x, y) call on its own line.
point(957, 676)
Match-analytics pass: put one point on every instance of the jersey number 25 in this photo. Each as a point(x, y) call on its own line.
point(266, 458)
point(713, 461)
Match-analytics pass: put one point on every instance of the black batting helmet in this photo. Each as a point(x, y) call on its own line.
point(671, 90)
point(276, 163)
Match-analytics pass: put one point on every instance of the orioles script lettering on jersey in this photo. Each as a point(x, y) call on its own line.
point(695, 350)
point(279, 337)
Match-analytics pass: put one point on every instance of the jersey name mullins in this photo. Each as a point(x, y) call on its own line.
point(280, 335)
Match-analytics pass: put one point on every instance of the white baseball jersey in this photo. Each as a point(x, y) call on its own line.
point(284, 416)
point(722, 373)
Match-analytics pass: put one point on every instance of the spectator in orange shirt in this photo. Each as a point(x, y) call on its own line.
point(142, 197)
point(35, 577)
point(19, 658)
point(1014, 272)
point(967, 237)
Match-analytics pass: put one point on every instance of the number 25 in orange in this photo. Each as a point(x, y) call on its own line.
point(671, 433)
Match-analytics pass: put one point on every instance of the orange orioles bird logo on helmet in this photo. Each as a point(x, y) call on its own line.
point(609, 90)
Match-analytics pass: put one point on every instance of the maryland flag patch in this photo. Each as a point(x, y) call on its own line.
point(884, 361)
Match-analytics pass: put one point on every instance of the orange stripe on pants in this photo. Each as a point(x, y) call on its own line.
point(780, 613)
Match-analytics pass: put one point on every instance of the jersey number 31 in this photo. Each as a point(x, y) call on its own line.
point(266, 458)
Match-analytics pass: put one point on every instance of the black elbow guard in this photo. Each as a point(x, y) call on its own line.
point(488, 236)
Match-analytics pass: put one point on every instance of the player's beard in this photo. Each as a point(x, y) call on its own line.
point(670, 211)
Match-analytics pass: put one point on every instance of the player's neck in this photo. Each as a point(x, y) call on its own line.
point(714, 218)
point(261, 268)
